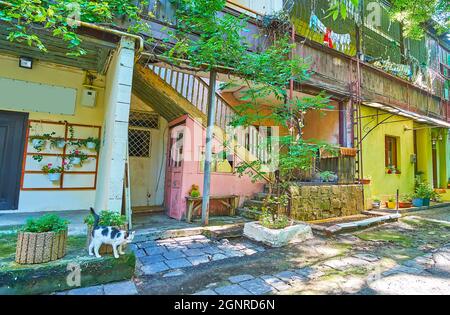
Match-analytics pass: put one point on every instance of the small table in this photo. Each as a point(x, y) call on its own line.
point(194, 203)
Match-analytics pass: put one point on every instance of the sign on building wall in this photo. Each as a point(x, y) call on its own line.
point(29, 96)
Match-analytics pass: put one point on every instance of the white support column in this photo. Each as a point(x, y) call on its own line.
point(115, 128)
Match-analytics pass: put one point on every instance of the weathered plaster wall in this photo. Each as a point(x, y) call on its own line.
point(322, 202)
point(323, 125)
point(47, 73)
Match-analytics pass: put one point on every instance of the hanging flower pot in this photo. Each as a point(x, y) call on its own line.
point(75, 160)
point(60, 144)
point(54, 177)
point(90, 145)
point(37, 143)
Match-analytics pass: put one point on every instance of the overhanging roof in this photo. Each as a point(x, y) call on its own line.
point(405, 113)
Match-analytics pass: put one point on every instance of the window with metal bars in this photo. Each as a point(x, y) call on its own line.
point(139, 133)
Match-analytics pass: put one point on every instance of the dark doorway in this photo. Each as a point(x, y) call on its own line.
point(434, 159)
point(12, 141)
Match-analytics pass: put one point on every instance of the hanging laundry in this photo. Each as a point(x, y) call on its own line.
point(341, 41)
point(327, 38)
point(315, 24)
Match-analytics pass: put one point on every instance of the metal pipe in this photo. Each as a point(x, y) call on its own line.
point(99, 28)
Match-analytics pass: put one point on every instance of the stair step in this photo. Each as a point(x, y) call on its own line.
point(254, 203)
point(248, 213)
point(228, 232)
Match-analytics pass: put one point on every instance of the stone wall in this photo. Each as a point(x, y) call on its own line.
point(322, 202)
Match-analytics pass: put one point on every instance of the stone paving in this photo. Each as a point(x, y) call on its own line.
point(416, 276)
point(116, 288)
point(171, 255)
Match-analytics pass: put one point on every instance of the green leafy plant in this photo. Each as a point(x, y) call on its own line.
point(328, 176)
point(61, 18)
point(271, 216)
point(423, 190)
point(44, 138)
point(77, 154)
point(50, 169)
point(46, 223)
point(107, 218)
point(93, 140)
point(56, 142)
point(391, 199)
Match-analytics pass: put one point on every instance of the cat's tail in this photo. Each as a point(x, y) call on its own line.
point(96, 217)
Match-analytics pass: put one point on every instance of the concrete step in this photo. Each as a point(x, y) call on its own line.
point(248, 213)
point(219, 232)
point(254, 203)
point(260, 196)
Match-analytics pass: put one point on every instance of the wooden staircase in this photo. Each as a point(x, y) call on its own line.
point(173, 93)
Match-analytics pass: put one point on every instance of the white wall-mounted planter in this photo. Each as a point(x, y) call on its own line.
point(75, 161)
point(277, 237)
point(90, 145)
point(37, 143)
point(54, 177)
point(60, 144)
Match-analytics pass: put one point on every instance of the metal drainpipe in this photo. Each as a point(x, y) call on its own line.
point(100, 28)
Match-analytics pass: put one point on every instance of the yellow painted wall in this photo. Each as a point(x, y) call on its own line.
point(384, 185)
point(47, 73)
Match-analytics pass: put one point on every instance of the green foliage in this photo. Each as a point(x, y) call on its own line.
point(77, 154)
point(46, 223)
point(271, 217)
point(107, 218)
point(423, 189)
point(96, 141)
point(50, 169)
point(60, 17)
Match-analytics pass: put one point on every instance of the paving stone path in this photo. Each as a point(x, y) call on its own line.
point(427, 274)
point(171, 255)
point(116, 288)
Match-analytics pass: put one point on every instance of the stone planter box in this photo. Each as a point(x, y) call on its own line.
point(36, 248)
point(277, 237)
point(105, 248)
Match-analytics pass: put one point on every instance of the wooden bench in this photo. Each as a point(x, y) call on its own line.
point(195, 203)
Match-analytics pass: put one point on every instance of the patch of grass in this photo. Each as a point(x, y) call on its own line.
point(386, 236)
point(7, 245)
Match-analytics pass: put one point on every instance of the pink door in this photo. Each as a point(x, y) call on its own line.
point(174, 174)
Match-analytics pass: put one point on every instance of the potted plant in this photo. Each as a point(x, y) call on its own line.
point(422, 194)
point(53, 172)
point(376, 203)
point(77, 157)
point(274, 228)
point(42, 239)
point(92, 143)
point(328, 177)
point(107, 218)
point(405, 201)
point(57, 143)
point(391, 204)
point(38, 141)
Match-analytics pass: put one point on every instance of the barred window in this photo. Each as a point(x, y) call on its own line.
point(144, 120)
point(139, 142)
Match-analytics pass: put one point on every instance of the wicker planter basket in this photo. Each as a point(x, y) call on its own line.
point(105, 248)
point(36, 248)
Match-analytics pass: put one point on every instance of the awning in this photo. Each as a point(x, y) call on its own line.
point(405, 113)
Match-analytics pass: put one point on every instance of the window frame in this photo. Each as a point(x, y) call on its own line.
point(391, 142)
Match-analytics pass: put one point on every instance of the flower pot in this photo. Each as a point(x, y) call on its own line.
point(105, 248)
point(391, 204)
point(405, 204)
point(37, 143)
point(375, 205)
point(365, 181)
point(417, 202)
point(60, 144)
point(426, 202)
point(36, 248)
point(75, 160)
point(54, 177)
point(90, 145)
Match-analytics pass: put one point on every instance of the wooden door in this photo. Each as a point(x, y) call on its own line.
point(174, 173)
point(12, 142)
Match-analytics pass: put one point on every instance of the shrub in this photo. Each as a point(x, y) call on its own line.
point(46, 223)
point(107, 218)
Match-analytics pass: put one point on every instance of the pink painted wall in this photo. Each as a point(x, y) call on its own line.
point(221, 183)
